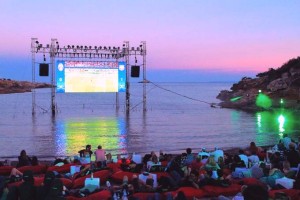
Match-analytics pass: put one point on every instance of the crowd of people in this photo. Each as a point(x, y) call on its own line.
point(188, 169)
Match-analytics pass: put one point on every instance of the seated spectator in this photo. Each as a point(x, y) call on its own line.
point(162, 156)
point(100, 157)
point(191, 180)
point(253, 159)
point(270, 180)
point(255, 192)
point(87, 152)
point(34, 161)
point(189, 157)
point(196, 164)
point(23, 159)
point(257, 171)
point(136, 185)
point(217, 154)
point(243, 157)
point(154, 161)
point(292, 155)
point(56, 191)
point(286, 140)
point(237, 162)
point(288, 172)
point(109, 158)
point(211, 164)
point(27, 190)
point(42, 191)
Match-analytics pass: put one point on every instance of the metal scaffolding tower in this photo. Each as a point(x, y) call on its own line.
point(91, 53)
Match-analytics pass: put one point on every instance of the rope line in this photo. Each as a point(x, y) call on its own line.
point(213, 105)
point(191, 98)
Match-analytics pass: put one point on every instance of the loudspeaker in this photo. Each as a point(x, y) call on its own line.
point(135, 71)
point(44, 69)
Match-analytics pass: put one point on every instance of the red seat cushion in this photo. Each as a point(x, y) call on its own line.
point(37, 182)
point(115, 167)
point(37, 169)
point(214, 191)
point(118, 176)
point(67, 182)
point(160, 174)
point(60, 169)
point(103, 195)
point(145, 195)
point(190, 192)
point(103, 175)
point(292, 193)
point(5, 170)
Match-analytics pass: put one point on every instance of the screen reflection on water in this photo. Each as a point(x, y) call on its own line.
point(73, 135)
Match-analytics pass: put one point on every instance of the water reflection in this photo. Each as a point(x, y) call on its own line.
point(73, 134)
point(273, 124)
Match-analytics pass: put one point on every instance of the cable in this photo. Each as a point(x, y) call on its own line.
point(211, 104)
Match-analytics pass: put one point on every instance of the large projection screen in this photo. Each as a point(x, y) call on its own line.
point(85, 76)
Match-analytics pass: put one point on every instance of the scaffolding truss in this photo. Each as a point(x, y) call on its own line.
point(88, 53)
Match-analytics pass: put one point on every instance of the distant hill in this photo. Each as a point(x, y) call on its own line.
point(277, 85)
point(8, 86)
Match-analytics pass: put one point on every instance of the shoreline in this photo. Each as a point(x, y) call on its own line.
point(49, 160)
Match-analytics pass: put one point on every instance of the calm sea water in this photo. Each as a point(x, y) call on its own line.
point(172, 122)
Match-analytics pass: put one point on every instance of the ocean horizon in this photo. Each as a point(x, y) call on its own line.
point(178, 116)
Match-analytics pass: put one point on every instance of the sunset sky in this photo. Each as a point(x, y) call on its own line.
point(215, 37)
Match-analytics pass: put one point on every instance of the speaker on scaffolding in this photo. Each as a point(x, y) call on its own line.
point(44, 69)
point(135, 71)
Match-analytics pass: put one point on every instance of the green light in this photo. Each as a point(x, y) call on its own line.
point(259, 91)
point(281, 120)
point(263, 101)
point(281, 101)
point(235, 99)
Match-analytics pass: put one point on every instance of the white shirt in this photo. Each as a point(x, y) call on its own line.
point(244, 158)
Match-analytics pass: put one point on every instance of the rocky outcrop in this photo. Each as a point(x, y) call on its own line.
point(277, 85)
point(8, 86)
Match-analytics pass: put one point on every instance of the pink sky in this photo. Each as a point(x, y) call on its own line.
point(251, 35)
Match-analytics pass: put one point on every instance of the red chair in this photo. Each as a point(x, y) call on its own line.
point(5, 170)
point(292, 193)
point(190, 192)
point(103, 175)
point(102, 195)
point(214, 191)
point(37, 169)
point(146, 195)
point(61, 169)
point(118, 176)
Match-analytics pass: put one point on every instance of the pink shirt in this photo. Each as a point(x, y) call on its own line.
point(100, 155)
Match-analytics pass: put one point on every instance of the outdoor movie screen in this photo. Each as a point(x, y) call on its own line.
point(85, 76)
